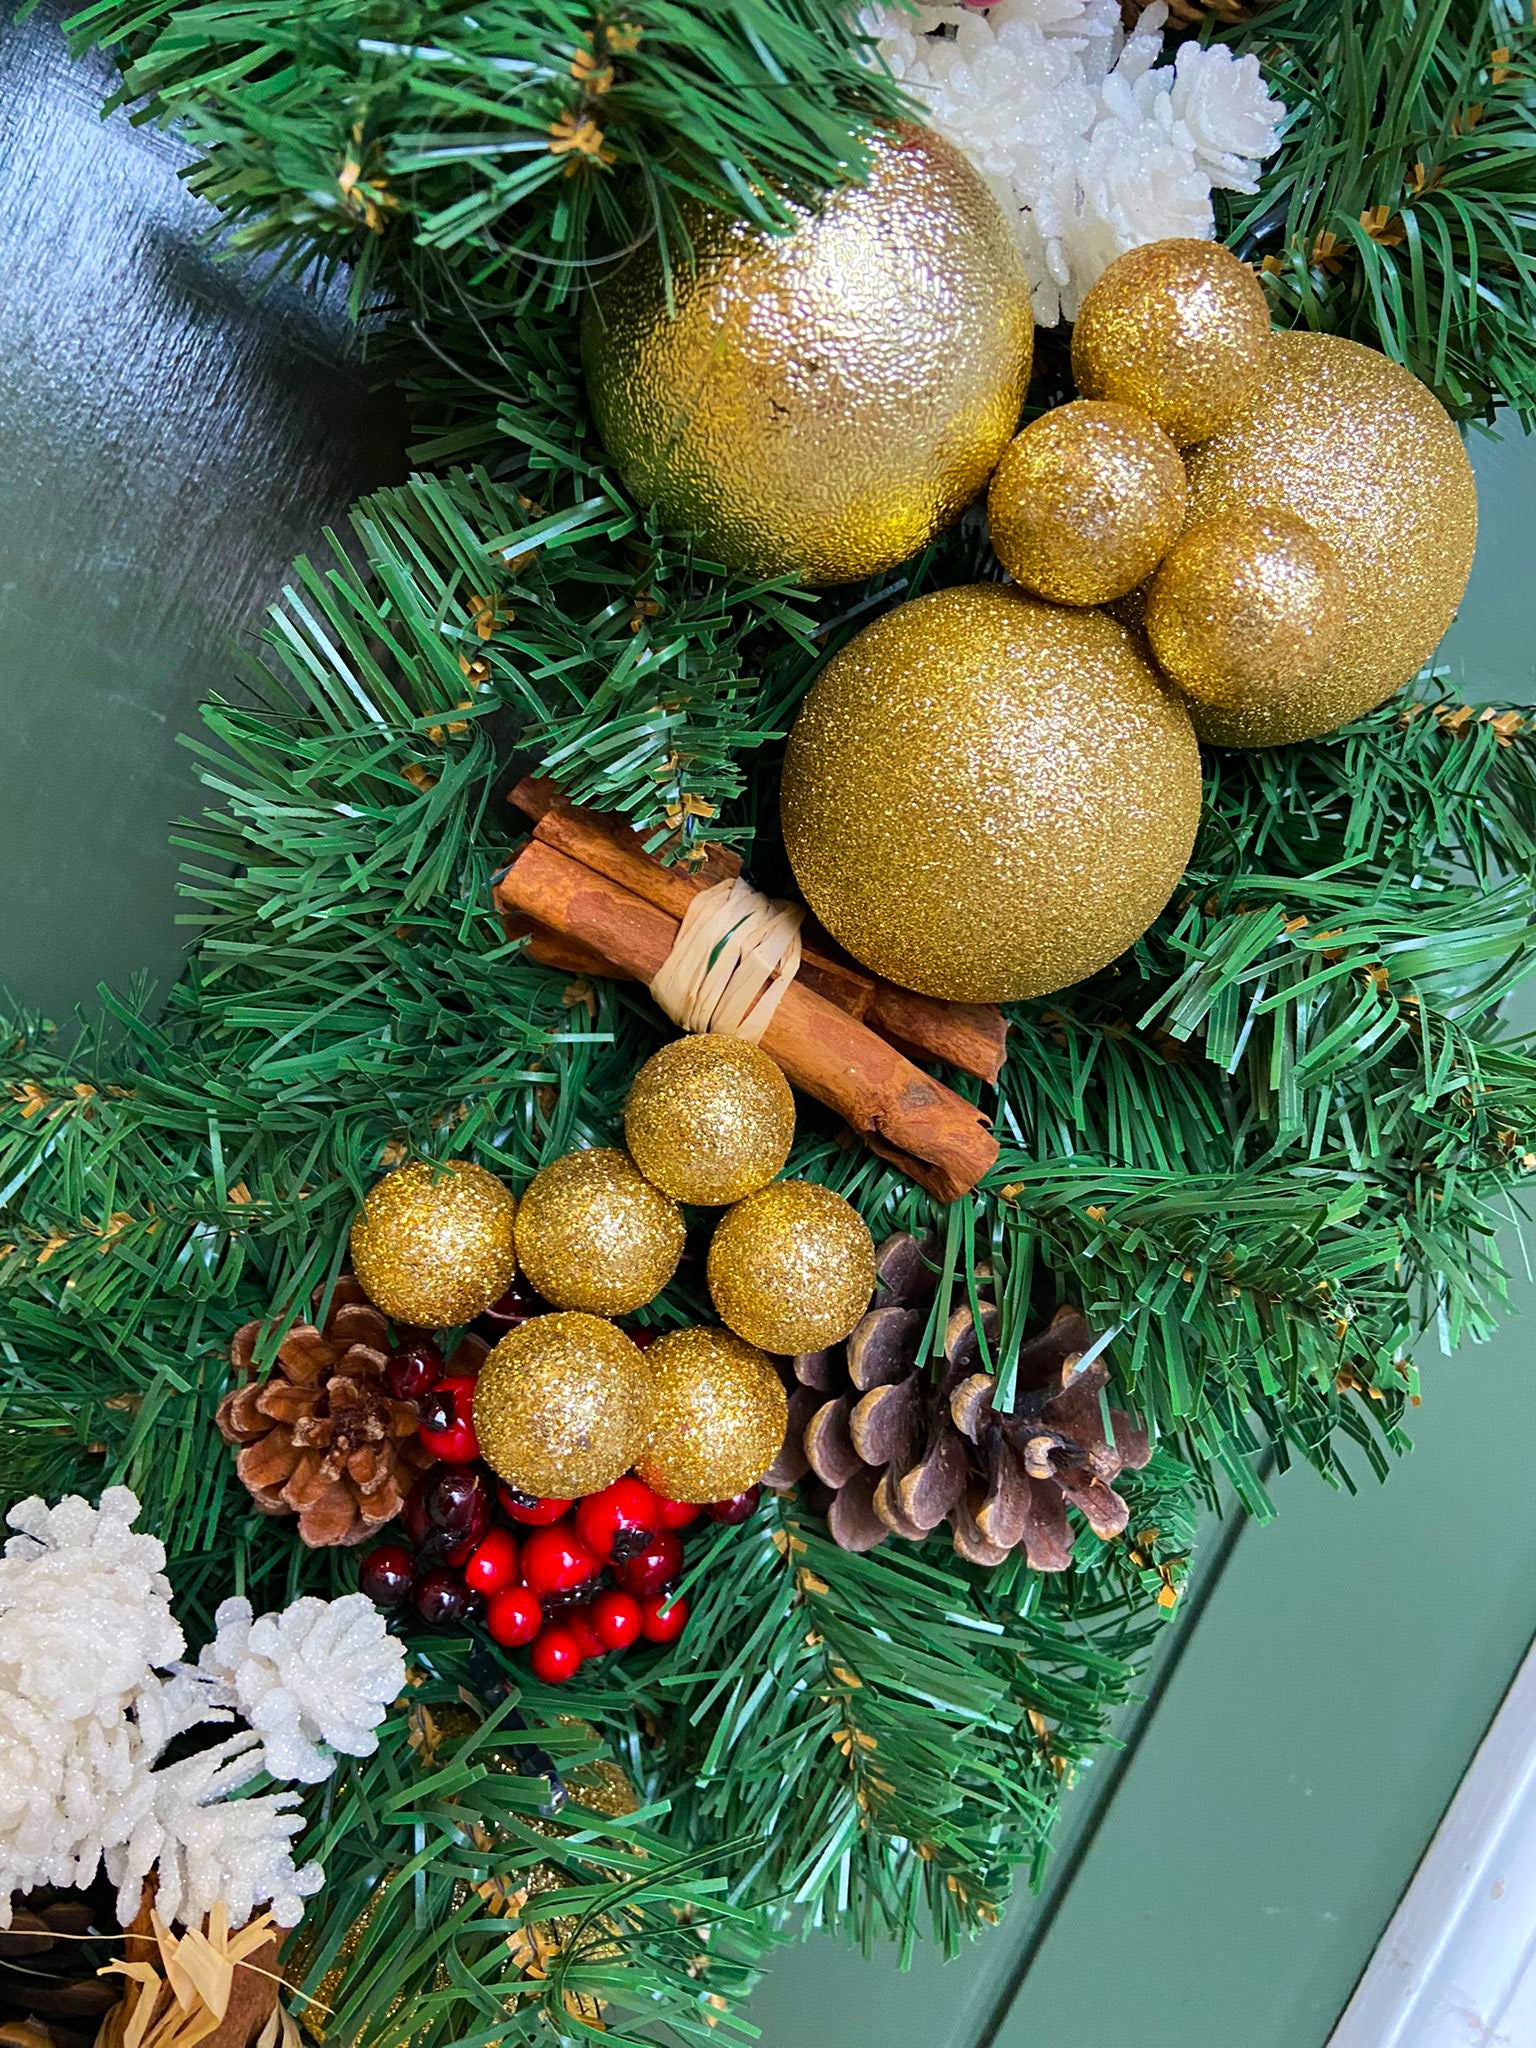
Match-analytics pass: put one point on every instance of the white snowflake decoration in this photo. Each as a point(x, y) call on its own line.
point(86, 1713)
point(1091, 144)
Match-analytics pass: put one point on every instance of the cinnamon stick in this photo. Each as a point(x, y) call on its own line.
point(939, 1139)
point(970, 1036)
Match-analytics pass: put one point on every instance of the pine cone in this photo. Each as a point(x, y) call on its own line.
point(49, 1989)
point(903, 1450)
point(1185, 16)
point(322, 1437)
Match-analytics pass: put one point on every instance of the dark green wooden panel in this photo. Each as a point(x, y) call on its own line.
point(1349, 1661)
point(168, 442)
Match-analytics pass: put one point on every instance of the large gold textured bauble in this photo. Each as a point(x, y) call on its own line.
point(1367, 456)
point(593, 1234)
point(560, 1405)
point(792, 1267)
point(822, 402)
point(1179, 328)
point(434, 1244)
point(986, 797)
point(709, 1119)
point(718, 1412)
point(1246, 609)
point(1086, 502)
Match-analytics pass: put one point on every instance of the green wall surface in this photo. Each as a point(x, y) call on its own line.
point(169, 438)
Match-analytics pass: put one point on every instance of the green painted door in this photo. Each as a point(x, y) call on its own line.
point(169, 437)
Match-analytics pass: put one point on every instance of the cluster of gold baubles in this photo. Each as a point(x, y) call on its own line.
point(568, 1401)
point(990, 792)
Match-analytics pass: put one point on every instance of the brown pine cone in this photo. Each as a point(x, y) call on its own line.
point(903, 1448)
point(1186, 15)
point(49, 1990)
point(322, 1437)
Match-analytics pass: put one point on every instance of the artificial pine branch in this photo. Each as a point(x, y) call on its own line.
point(893, 1729)
point(438, 1937)
point(496, 150)
point(1401, 206)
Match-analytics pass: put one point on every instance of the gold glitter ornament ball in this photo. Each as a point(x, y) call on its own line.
point(561, 1404)
point(1179, 329)
point(821, 402)
point(434, 1244)
point(792, 1267)
point(985, 797)
point(717, 1419)
point(1086, 502)
point(1362, 451)
point(709, 1120)
point(593, 1234)
point(1246, 609)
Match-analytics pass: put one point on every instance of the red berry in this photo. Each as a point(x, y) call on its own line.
point(579, 1622)
point(414, 1369)
point(515, 1307)
point(387, 1574)
point(643, 1339)
point(738, 1509)
point(458, 1502)
point(492, 1563)
point(615, 1620)
point(447, 1421)
point(620, 1520)
point(556, 1560)
point(413, 1515)
point(441, 1596)
point(528, 1509)
point(555, 1656)
point(650, 1569)
point(460, 1554)
point(513, 1617)
point(676, 1514)
point(663, 1620)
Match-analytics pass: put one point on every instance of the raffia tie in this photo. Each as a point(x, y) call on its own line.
point(733, 960)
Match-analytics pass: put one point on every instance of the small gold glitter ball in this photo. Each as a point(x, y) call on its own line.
point(709, 1119)
point(560, 1406)
point(820, 402)
point(433, 1244)
point(593, 1234)
point(1362, 451)
point(1178, 328)
point(717, 1417)
point(792, 1267)
point(985, 797)
point(1086, 502)
point(1246, 609)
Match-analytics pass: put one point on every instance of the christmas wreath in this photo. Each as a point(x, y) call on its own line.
point(390, 1249)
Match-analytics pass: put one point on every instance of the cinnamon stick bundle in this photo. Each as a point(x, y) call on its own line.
point(970, 1036)
point(586, 920)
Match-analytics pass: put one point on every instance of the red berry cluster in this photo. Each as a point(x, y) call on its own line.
point(568, 1581)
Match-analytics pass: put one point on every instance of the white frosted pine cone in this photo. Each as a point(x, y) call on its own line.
point(319, 1672)
point(206, 1849)
point(1231, 119)
point(1092, 145)
point(1134, 186)
point(85, 1610)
